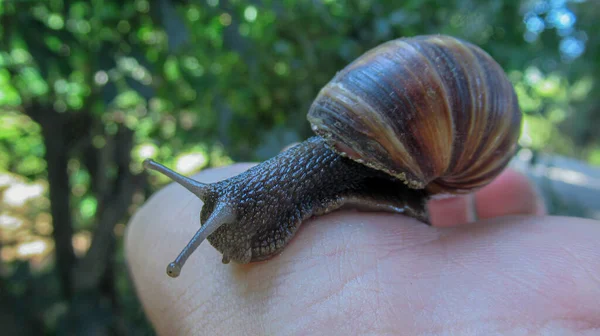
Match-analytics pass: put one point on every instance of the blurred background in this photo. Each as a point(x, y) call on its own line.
point(88, 89)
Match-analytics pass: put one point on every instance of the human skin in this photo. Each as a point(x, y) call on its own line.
point(513, 271)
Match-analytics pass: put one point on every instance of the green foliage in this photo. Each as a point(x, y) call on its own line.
point(20, 139)
point(196, 84)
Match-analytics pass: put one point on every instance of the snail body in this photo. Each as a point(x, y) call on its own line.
point(408, 120)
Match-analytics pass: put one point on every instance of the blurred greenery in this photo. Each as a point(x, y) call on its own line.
point(88, 89)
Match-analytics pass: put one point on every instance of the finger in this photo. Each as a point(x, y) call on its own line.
point(511, 193)
point(451, 211)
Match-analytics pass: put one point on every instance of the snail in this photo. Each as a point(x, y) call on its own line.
point(412, 119)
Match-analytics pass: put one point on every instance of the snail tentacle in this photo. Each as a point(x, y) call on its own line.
point(199, 189)
point(222, 214)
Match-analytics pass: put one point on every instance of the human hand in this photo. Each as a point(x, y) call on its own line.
point(512, 272)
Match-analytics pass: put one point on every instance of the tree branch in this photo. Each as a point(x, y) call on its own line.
point(113, 206)
point(56, 156)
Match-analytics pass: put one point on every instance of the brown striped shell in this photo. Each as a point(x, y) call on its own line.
point(434, 111)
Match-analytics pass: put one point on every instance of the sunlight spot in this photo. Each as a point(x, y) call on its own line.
point(146, 151)
point(9, 222)
point(19, 193)
point(561, 18)
point(138, 73)
point(535, 24)
point(525, 154)
point(190, 162)
point(191, 63)
point(572, 47)
point(83, 27)
point(225, 19)
point(250, 13)
point(19, 55)
point(61, 85)
point(32, 248)
point(101, 77)
point(525, 139)
point(81, 242)
point(572, 177)
point(55, 21)
point(193, 14)
point(549, 87)
point(88, 207)
point(127, 63)
point(6, 179)
point(533, 75)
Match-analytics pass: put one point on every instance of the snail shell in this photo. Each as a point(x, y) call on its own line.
point(434, 111)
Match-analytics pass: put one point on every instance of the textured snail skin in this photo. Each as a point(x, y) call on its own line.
point(438, 113)
point(272, 199)
point(411, 119)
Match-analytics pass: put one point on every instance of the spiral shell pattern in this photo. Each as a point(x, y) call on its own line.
point(434, 111)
